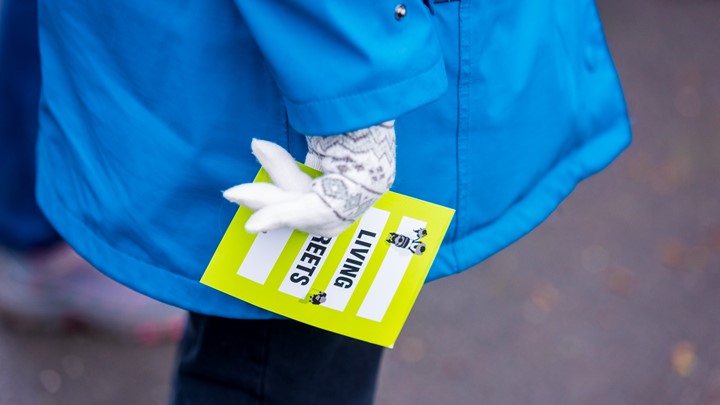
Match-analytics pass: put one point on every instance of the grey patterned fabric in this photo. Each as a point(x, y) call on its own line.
point(359, 167)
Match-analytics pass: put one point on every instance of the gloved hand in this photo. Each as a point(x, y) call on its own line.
point(358, 167)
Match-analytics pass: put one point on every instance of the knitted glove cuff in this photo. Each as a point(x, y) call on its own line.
point(358, 167)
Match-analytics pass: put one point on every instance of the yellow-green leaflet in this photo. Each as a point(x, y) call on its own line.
point(360, 284)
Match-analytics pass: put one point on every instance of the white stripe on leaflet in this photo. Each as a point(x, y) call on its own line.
point(345, 279)
point(263, 254)
point(388, 278)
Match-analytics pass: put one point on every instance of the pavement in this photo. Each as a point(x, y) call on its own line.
point(615, 299)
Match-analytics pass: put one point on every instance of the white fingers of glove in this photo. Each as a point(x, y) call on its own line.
point(358, 168)
point(288, 201)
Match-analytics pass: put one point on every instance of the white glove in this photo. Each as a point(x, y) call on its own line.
point(358, 167)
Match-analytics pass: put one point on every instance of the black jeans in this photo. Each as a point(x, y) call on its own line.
point(232, 361)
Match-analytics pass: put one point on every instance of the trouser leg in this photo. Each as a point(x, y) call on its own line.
point(226, 361)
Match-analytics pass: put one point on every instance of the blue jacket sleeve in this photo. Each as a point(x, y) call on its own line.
point(344, 65)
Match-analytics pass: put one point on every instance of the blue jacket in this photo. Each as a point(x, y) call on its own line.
point(148, 109)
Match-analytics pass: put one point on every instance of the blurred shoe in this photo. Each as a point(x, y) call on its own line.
point(57, 291)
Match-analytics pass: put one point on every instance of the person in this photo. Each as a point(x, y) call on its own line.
point(44, 284)
point(148, 110)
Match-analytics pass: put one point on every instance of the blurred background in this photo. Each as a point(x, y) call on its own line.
point(613, 300)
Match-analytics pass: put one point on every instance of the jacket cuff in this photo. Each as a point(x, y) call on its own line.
point(355, 111)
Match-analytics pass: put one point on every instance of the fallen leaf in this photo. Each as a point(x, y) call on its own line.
point(672, 253)
point(545, 296)
point(618, 280)
point(683, 358)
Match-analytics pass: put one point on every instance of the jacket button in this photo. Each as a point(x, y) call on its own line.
point(400, 12)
